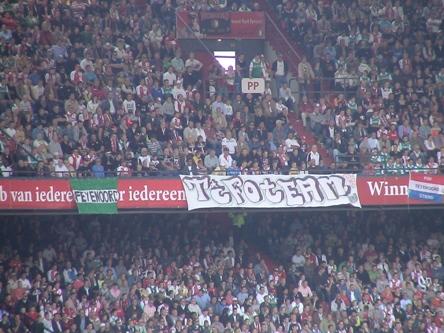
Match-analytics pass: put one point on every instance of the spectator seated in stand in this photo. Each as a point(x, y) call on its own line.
point(195, 273)
point(388, 60)
point(106, 90)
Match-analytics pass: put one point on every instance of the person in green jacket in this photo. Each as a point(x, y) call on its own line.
point(257, 67)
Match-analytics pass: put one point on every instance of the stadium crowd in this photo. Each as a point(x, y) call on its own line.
point(305, 273)
point(385, 62)
point(103, 88)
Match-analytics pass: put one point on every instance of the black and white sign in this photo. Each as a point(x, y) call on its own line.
point(270, 191)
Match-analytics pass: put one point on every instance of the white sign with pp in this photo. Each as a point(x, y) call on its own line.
point(253, 86)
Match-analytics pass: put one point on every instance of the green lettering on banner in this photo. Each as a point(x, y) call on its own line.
point(95, 196)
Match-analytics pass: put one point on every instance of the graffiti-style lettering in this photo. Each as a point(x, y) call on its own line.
point(270, 191)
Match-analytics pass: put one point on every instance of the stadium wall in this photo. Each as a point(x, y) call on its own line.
point(167, 194)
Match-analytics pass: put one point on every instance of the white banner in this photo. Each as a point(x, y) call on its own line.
point(270, 191)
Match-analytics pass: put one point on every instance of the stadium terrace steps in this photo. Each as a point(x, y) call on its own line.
point(280, 40)
point(281, 43)
point(309, 138)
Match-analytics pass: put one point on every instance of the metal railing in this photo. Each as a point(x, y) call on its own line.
point(19, 145)
point(346, 162)
point(329, 86)
point(356, 168)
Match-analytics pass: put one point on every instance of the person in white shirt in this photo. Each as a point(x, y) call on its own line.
point(229, 142)
point(178, 90)
point(314, 155)
point(281, 107)
point(123, 170)
point(25, 282)
point(204, 317)
point(291, 143)
point(285, 92)
point(298, 305)
point(47, 323)
point(200, 132)
point(280, 69)
point(261, 293)
point(129, 105)
point(180, 104)
point(10, 130)
point(192, 62)
point(373, 142)
point(194, 308)
point(190, 133)
point(60, 169)
point(142, 91)
point(386, 90)
point(69, 273)
point(76, 75)
point(298, 259)
point(170, 76)
point(144, 159)
point(92, 105)
point(86, 62)
point(5, 170)
point(228, 109)
point(218, 103)
point(225, 159)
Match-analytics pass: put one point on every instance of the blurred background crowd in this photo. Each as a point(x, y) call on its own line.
point(330, 272)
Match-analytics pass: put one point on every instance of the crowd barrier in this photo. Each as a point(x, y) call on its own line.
point(56, 194)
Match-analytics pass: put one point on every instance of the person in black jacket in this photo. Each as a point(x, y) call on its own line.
point(190, 168)
point(163, 133)
point(280, 71)
point(81, 320)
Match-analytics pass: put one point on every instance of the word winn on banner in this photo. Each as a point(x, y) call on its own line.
point(95, 196)
point(270, 191)
point(426, 187)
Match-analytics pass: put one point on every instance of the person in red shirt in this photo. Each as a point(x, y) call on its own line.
point(32, 315)
point(18, 293)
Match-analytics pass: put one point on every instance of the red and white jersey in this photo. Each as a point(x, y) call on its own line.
point(433, 329)
point(98, 120)
point(395, 284)
point(179, 106)
point(123, 171)
point(76, 77)
point(142, 91)
point(75, 161)
point(146, 66)
point(71, 117)
point(50, 78)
